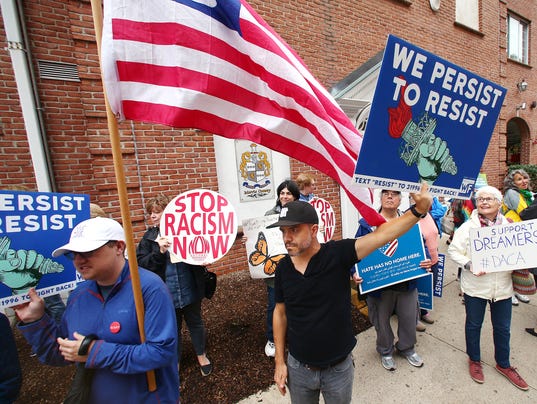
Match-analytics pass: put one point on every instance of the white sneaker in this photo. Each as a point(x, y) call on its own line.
point(522, 298)
point(270, 349)
point(387, 362)
point(514, 300)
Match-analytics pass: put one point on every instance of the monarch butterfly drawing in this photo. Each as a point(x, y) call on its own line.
point(260, 256)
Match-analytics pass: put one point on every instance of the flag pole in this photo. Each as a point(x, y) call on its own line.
point(96, 8)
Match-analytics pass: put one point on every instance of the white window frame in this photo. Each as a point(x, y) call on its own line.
point(517, 38)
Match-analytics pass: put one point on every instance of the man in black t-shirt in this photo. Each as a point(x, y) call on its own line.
point(313, 306)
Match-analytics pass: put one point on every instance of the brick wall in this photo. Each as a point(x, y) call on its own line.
point(333, 38)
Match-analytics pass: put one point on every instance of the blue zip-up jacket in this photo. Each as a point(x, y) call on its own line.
point(119, 359)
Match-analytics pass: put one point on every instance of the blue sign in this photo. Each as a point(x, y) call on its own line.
point(430, 120)
point(425, 291)
point(32, 225)
point(439, 285)
point(395, 262)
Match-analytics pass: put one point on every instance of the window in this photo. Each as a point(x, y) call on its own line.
point(517, 39)
point(467, 13)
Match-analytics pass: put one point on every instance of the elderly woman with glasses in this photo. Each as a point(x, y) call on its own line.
point(480, 287)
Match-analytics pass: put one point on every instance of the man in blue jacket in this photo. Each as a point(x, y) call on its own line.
point(99, 326)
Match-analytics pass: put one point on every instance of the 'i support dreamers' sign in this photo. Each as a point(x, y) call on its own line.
point(505, 247)
point(431, 120)
point(201, 226)
point(32, 225)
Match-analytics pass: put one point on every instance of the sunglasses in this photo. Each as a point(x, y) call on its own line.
point(71, 255)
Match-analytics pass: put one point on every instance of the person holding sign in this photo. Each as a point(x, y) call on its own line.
point(313, 301)
point(517, 197)
point(480, 288)
point(99, 329)
point(185, 282)
point(152, 251)
point(401, 299)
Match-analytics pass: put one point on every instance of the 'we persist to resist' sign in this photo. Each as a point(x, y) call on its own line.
point(505, 247)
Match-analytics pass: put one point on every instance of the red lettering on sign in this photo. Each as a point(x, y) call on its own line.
point(179, 246)
point(181, 207)
point(227, 226)
point(329, 219)
point(221, 202)
point(219, 243)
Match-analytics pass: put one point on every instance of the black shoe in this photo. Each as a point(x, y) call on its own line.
point(531, 331)
point(206, 370)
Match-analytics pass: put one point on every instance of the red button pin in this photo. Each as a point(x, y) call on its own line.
point(115, 327)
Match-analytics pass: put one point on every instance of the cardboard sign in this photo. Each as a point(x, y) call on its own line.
point(430, 120)
point(32, 225)
point(395, 262)
point(201, 226)
point(264, 247)
point(505, 247)
point(327, 219)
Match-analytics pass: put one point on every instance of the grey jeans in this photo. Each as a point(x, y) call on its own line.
point(334, 382)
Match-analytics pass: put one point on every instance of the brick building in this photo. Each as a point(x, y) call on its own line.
point(53, 130)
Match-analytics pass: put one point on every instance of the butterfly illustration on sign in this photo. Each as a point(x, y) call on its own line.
point(390, 248)
point(260, 256)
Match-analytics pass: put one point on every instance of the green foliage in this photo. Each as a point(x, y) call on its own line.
point(531, 169)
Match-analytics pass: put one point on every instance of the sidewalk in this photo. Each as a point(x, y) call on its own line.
point(444, 376)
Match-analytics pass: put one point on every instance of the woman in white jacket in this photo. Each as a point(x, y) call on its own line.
point(480, 288)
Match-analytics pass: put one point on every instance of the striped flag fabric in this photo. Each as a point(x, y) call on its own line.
point(216, 65)
point(390, 248)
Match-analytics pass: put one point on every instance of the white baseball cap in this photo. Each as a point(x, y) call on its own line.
point(91, 234)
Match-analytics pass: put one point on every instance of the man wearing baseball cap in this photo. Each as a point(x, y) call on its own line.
point(312, 291)
point(99, 329)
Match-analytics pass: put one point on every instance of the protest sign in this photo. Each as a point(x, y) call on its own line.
point(264, 247)
point(438, 286)
point(425, 291)
point(327, 219)
point(505, 247)
point(201, 226)
point(395, 262)
point(32, 225)
point(430, 120)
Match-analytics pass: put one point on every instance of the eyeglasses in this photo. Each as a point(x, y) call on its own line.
point(486, 200)
point(71, 255)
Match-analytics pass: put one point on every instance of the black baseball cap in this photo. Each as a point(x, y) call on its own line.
point(296, 212)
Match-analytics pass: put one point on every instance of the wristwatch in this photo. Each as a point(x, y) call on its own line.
point(85, 344)
point(416, 213)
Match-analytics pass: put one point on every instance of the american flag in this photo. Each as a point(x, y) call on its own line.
point(217, 66)
point(390, 248)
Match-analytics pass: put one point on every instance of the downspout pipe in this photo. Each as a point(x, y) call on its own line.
point(12, 16)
